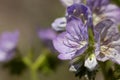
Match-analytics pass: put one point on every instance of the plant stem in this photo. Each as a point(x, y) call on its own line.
point(34, 65)
point(34, 75)
point(107, 71)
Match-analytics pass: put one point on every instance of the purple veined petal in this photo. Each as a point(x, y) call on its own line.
point(76, 29)
point(62, 48)
point(112, 11)
point(109, 54)
point(101, 29)
point(59, 24)
point(112, 36)
point(8, 40)
point(95, 5)
point(103, 59)
point(78, 33)
point(80, 11)
point(113, 55)
point(115, 58)
point(67, 3)
point(100, 32)
point(68, 47)
point(47, 34)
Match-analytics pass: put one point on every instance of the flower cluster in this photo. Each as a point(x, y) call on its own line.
point(89, 29)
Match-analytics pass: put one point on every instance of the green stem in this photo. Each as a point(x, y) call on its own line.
point(107, 71)
point(34, 75)
point(33, 66)
point(39, 61)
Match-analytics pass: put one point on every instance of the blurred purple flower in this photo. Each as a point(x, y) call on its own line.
point(8, 42)
point(73, 41)
point(108, 41)
point(47, 35)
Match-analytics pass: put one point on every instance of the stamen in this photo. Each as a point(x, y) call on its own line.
point(74, 11)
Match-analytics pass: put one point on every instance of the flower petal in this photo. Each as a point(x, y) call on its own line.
point(112, 11)
point(62, 45)
point(96, 4)
point(80, 11)
point(101, 28)
point(67, 3)
point(59, 24)
point(47, 34)
point(68, 56)
point(76, 28)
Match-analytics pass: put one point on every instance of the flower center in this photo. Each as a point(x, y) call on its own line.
point(82, 44)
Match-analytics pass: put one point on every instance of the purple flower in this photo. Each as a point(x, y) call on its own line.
point(100, 9)
point(111, 11)
point(103, 9)
point(108, 41)
point(77, 10)
point(73, 41)
point(81, 11)
point(95, 5)
point(47, 35)
point(8, 42)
